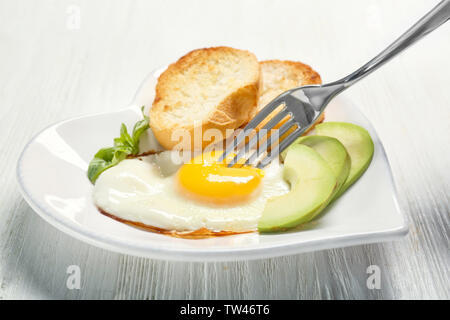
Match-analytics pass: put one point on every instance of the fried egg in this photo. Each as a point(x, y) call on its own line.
point(156, 191)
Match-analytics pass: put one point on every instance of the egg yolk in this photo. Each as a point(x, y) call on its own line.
point(206, 180)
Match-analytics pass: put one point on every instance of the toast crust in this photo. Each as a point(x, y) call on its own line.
point(237, 106)
point(282, 75)
point(305, 73)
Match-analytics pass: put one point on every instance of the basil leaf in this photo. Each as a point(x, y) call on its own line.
point(125, 138)
point(124, 145)
point(139, 128)
point(104, 159)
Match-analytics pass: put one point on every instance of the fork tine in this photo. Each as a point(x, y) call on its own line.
point(268, 142)
point(240, 153)
point(283, 145)
point(236, 141)
point(261, 115)
point(258, 136)
point(250, 126)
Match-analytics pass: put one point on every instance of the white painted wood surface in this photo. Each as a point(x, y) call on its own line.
point(50, 71)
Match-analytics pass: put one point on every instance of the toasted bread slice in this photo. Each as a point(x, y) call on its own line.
point(211, 88)
point(279, 76)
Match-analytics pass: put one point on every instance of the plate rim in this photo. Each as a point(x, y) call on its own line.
point(215, 254)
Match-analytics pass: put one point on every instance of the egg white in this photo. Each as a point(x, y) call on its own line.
point(143, 190)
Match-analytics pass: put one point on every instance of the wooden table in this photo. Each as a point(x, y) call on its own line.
point(60, 59)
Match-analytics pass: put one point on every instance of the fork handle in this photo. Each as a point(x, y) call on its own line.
point(431, 21)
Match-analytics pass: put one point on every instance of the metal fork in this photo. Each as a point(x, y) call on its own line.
point(302, 106)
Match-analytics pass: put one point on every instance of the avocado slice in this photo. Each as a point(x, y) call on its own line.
point(358, 143)
point(312, 182)
point(333, 152)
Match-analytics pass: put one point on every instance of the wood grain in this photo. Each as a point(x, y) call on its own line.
point(50, 72)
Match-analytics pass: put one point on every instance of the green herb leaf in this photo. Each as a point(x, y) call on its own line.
point(140, 127)
point(123, 146)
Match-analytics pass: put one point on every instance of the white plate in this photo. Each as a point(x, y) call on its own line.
point(51, 172)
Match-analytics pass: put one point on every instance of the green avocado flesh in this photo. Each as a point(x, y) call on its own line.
point(333, 152)
point(313, 183)
point(359, 146)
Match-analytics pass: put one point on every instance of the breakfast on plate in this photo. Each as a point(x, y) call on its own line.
point(182, 189)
